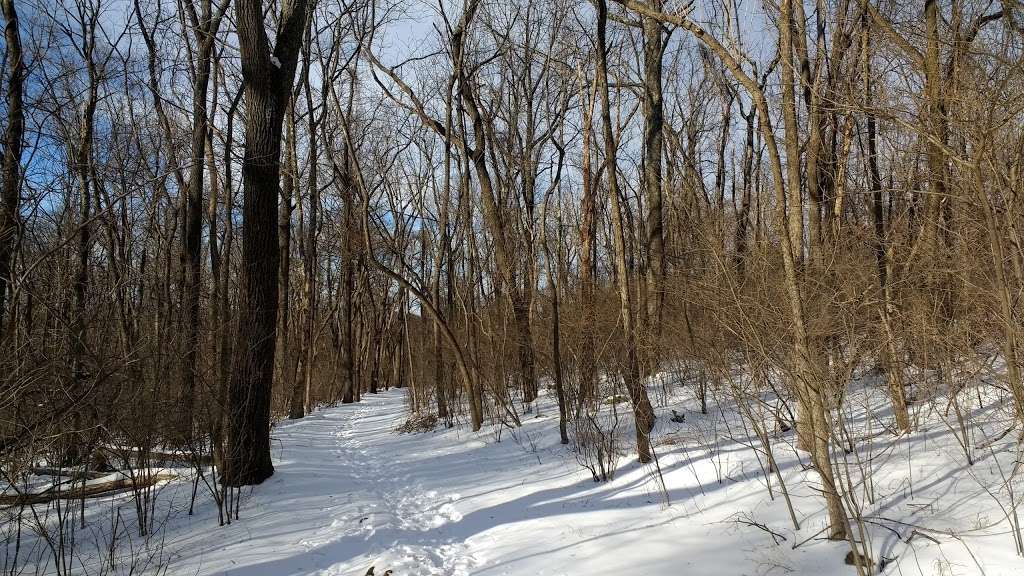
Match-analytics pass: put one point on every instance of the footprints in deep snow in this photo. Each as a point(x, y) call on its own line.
point(421, 511)
point(445, 559)
point(400, 524)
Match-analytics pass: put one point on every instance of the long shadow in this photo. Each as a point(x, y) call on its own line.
point(465, 460)
point(576, 498)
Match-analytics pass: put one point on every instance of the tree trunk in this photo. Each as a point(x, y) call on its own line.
point(285, 364)
point(10, 195)
point(268, 78)
point(654, 118)
point(588, 241)
point(890, 354)
point(301, 403)
point(935, 123)
point(192, 238)
point(642, 410)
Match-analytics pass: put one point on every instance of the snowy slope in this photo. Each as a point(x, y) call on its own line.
point(350, 493)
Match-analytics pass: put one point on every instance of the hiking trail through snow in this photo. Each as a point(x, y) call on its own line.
point(350, 492)
point(391, 503)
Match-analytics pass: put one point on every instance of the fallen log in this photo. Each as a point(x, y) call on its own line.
point(67, 473)
point(84, 492)
point(161, 458)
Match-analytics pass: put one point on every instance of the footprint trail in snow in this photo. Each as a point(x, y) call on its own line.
point(402, 524)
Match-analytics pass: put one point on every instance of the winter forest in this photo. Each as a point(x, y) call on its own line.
point(520, 287)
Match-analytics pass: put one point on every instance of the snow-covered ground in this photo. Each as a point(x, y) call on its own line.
point(350, 492)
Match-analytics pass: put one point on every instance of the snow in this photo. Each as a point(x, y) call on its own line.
point(350, 492)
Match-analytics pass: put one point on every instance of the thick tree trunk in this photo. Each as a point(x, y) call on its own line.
point(10, 195)
point(252, 377)
point(268, 78)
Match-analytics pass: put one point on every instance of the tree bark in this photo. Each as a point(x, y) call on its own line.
point(642, 411)
point(890, 354)
point(588, 241)
point(205, 28)
point(268, 77)
point(10, 195)
point(654, 119)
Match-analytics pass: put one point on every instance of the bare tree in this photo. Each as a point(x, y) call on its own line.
point(10, 196)
point(268, 72)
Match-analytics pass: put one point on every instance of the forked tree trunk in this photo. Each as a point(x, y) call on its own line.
point(205, 30)
point(268, 77)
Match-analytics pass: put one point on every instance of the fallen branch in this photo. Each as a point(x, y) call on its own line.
point(84, 492)
point(748, 521)
point(67, 473)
